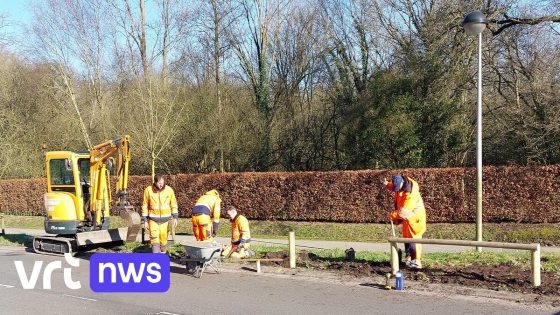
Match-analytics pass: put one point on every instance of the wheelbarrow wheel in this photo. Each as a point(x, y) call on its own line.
point(192, 266)
point(198, 272)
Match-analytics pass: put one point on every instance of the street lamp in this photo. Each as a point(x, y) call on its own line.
point(474, 23)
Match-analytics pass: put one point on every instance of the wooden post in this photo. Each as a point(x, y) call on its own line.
point(394, 258)
point(292, 245)
point(536, 266)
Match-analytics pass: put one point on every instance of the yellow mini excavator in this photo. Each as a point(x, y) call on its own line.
point(78, 198)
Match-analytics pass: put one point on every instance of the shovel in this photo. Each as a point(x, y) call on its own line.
point(399, 250)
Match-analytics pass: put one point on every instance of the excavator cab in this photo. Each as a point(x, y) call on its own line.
point(66, 199)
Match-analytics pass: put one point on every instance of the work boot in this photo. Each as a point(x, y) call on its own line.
point(249, 253)
point(163, 249)
point(415, 264)
point(407, 261)
point(156, 248)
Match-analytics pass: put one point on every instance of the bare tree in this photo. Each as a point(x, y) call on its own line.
point(350, 59)
point(297, 85)
point(3, 33)
point(259, 24)
point(524, 65)
point(217, 17)
point(70, 35)
point(149, 31)
point(154, 123)
point(169, 32)
point(211, 24)
point(135, 29)
point(11, 128)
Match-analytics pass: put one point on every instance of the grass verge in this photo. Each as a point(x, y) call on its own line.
point(16, 240)
point(546, 234)
point(549, 261)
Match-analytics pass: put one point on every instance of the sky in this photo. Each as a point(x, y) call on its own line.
point(16, 10)
point(16, 13)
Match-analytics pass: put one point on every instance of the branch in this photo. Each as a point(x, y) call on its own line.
point(511, 21)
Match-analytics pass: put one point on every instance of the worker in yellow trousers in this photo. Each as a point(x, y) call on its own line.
point(410, 212)
point(206, 216)
point(240, 236)
point(159, 206)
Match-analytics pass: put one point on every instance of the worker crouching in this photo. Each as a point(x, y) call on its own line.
point(206, 216)
point(410, 212)
point(158, 207)
point(240, 236)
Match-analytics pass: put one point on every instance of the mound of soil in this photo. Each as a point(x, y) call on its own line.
point(498, 278)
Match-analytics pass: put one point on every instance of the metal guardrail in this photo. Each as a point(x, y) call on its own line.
point(534, 248)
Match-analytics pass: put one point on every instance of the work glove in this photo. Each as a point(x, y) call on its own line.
point(175, 222)
point(394, 216)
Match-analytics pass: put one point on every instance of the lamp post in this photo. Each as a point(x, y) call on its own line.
point(474, 23)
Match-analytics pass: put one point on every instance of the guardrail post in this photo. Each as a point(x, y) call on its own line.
point(2, 224)
point(394, 258)
point(536, 266)
point(292, 245)
point(534, 248)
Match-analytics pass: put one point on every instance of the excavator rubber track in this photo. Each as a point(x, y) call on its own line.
point(54, 245)
point(59, 245)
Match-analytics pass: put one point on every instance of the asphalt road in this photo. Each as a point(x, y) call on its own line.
point(232, 292)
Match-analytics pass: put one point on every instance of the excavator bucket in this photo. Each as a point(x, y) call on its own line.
point(133, 221)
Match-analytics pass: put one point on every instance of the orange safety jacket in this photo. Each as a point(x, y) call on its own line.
point(210, 203)
point(158, 205)
point(240, 233)
point(409, 208)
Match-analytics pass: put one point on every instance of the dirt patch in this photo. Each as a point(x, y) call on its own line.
point(497, 278)
point(282, 255)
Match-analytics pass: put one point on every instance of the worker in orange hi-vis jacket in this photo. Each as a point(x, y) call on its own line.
point(240, 236)
point(410, 212)
point(159, 206)
point(206, 216)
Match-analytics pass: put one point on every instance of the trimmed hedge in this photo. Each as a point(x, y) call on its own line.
point(511, 194)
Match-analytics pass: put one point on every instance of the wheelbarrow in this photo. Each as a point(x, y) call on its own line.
point(202, 255)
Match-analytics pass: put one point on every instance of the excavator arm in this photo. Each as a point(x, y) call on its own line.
point(100, 155)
